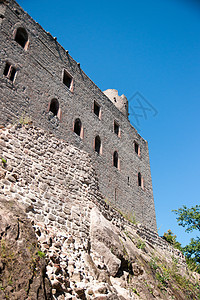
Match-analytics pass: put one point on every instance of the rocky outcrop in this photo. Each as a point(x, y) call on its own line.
point(91, 250)
point(22, 264)
point(105, 241)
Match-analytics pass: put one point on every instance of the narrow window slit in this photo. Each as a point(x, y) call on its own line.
point(97, 144)
point(116, 128)
point(139, 179)
point(115, 159)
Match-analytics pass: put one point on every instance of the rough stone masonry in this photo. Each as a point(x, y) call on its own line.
point(92, 251)
point(40, 81)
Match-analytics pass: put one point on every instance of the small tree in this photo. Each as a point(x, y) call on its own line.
point(171, 238)
point(190, 218)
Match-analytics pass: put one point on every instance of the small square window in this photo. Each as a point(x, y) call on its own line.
point(97, 109)
point(116, 128)
point(9, 72)
point(68, 80)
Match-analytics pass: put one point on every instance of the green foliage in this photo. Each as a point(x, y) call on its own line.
point(192, 264)
point(41, 254)
point(170, 237)
point(184, 284)
point(163, 277)
point(25, 120)
point(193, 250)
point(150, 289)
point(3, 160)
point(168, 275)
point(140, 244)
point(135, 291)
point(153, 263)
point(189, 217)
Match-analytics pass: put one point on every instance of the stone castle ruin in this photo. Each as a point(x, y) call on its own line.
point(74, 178)
point(40, 81)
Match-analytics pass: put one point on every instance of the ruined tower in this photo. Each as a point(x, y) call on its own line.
point(40, 80)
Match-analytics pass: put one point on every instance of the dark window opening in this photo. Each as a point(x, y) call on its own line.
point(54, 106)
point(139, 179)
point(12, 73)
point(97, 144)
point(116, 128)
point(77, 127)
point(115, 159)
point(21, 37)
point(136, 148)
point(9, 72)
point(67, 79)
point(6, 70)
point(96, 109)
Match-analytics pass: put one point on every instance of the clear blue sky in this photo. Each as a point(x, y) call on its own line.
point(152, 47)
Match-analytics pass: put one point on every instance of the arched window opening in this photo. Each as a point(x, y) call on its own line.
point(21, 37)
point(77, 126)
point(97, 144)
point(115, 159)
point(54, 106)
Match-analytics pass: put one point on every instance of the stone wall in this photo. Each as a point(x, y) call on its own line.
point(39, 79)
point(82, 236)
point(57, 183)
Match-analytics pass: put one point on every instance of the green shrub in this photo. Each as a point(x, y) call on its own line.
point(41, 254)
point(141, 244)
